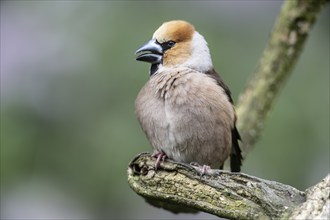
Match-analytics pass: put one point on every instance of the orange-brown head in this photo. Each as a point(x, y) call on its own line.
point(176, 43)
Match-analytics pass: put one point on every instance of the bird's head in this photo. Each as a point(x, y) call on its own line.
point(176, 43)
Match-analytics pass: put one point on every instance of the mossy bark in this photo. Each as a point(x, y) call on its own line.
point(179, 187)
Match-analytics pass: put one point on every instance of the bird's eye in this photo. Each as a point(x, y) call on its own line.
point(170, 43)
point(167, 45)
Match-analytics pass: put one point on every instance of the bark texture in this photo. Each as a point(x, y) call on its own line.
point(317, 205)
point(224, 194)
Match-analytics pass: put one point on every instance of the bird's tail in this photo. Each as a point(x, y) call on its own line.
point(236, 154)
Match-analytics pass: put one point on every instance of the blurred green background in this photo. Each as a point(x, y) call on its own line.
point(68, 84)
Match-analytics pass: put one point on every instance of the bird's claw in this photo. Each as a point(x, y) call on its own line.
point(202, 169)
point(160, 156)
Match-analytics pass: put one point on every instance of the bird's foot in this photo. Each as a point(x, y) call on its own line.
point(160, 156)
point(202, 169)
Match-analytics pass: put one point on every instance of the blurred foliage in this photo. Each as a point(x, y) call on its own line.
point(68, 85)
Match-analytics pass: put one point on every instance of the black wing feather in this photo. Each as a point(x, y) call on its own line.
point(236, 154)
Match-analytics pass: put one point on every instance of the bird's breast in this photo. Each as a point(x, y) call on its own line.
point(182, 111)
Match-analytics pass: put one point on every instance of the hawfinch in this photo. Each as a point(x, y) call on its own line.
point(185, 109)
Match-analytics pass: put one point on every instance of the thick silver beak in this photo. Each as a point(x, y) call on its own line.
point(150, 52)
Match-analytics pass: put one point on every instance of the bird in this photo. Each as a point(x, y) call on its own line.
point(185, 109)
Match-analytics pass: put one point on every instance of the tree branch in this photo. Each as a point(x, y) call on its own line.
point(317, 205)
point(290, 32)
point(224, 194)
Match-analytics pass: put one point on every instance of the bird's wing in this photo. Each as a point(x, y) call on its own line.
point(236, 154)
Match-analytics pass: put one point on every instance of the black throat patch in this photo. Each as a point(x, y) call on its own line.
point(153, 68)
